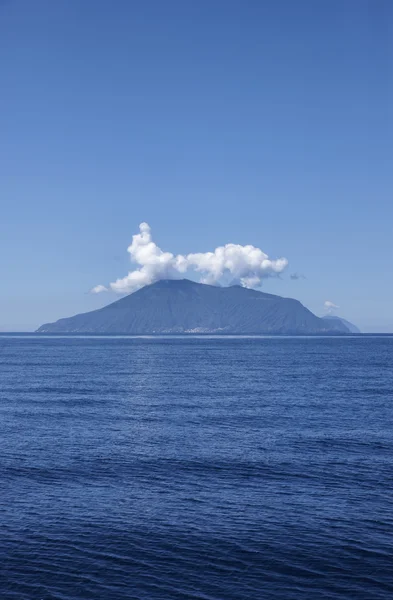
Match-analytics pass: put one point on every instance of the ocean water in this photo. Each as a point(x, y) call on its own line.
point(196, 468)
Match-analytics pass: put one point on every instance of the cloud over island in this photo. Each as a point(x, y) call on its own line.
point(246, 265)
point(330, 306)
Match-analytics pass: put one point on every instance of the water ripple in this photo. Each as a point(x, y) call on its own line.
point(212, 469)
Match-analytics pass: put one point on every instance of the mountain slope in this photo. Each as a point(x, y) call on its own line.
point(183, 306)
point(332, 318)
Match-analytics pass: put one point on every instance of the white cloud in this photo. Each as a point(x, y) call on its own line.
point(98, 289)
point(330, 306)
point(232, 263)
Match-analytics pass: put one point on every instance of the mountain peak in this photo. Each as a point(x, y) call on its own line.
point(173, 283)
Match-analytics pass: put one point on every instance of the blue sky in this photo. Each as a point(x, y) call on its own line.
point(265, 123)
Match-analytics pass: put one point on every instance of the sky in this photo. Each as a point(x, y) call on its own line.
point(218, 121)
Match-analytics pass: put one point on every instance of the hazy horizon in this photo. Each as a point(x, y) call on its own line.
point(332, 312)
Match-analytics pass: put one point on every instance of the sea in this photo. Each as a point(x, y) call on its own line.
point(200, 468)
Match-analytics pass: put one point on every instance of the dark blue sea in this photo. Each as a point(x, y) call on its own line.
point(196, 468)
